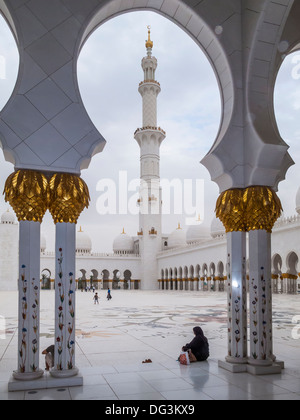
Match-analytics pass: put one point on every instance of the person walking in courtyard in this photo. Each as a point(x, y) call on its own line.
point(109, 296)
point(96, 299)
point(198, 348)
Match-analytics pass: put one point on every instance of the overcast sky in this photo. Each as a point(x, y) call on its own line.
point(109, 72)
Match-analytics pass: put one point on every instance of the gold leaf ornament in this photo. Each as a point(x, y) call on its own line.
point(263, 208)
point(252, 208)
point(230, 210)
point(68, 197)
point(27, 193)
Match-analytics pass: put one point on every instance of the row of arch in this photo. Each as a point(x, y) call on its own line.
point(290, 262)
point(213, 276)
point(208, 277)
point(285, 274)
point(96, 278)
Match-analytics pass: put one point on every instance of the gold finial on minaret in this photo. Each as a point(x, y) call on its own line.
point(80, 230)
point(149, 43)
point(123, 233)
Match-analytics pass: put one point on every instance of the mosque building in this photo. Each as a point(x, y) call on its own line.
point(187, 259)
point(49, 143)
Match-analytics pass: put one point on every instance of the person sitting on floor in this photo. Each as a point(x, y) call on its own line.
point(49, 359)
point(199, 346)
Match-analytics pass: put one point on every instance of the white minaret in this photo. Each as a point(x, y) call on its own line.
point(149, 138)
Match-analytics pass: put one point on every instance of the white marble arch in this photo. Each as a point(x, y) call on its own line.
point(47, 90)
point(242, 40)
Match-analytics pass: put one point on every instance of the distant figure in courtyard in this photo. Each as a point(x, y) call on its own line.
point(198, 348)
point(96, 299)
point(49, 359)
point(109, 296)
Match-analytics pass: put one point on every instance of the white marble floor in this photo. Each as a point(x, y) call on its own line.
point(114, 338)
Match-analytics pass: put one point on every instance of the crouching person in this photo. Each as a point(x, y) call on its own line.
point(198, 348)
point(49, 357)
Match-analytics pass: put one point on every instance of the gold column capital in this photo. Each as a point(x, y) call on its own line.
point(263, 208)
point(252, 208)
point(68, 197)
point(31, 193)
point(27, 193)
point(230, 209)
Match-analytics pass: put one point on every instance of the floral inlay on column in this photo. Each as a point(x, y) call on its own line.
point(24, 307)
point(35, 325)
point(237, 323)
point(254, 319)
point(229, 304)
point(29, 342)
point(71, 324)
point(264, 315)
point(60, 337)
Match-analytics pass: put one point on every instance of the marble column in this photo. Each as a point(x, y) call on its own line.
point(261, 329)
point(64, 357)
point(27, 193)
point(29, 302)
point(275, 283)
point(230, 210)
point(68, 197)
point(237, 298)
point(263, 209)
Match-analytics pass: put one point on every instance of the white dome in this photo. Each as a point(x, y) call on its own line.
point(83, 242)
point(43, 243)
point(298, 202)
point(217, 228)
point(197, 233)
point(177, 238)
point(123, 244)
point(8, 218)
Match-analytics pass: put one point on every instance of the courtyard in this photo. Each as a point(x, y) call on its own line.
point(115, 337)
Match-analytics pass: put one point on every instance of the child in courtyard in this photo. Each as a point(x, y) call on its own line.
point(96, 299)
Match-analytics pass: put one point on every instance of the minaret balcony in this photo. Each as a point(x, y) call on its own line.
point(152, 200)
point(153, 232)
point(149, 128)
point(149, 86)
point(153, 82)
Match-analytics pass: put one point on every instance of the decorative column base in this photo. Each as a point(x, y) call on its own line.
point(232, 367)
point(66, 373)
point(236, 361)
point(30, 376)
point(274, 369)
point(47, 381)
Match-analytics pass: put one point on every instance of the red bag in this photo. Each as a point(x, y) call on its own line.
point(184, 358)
